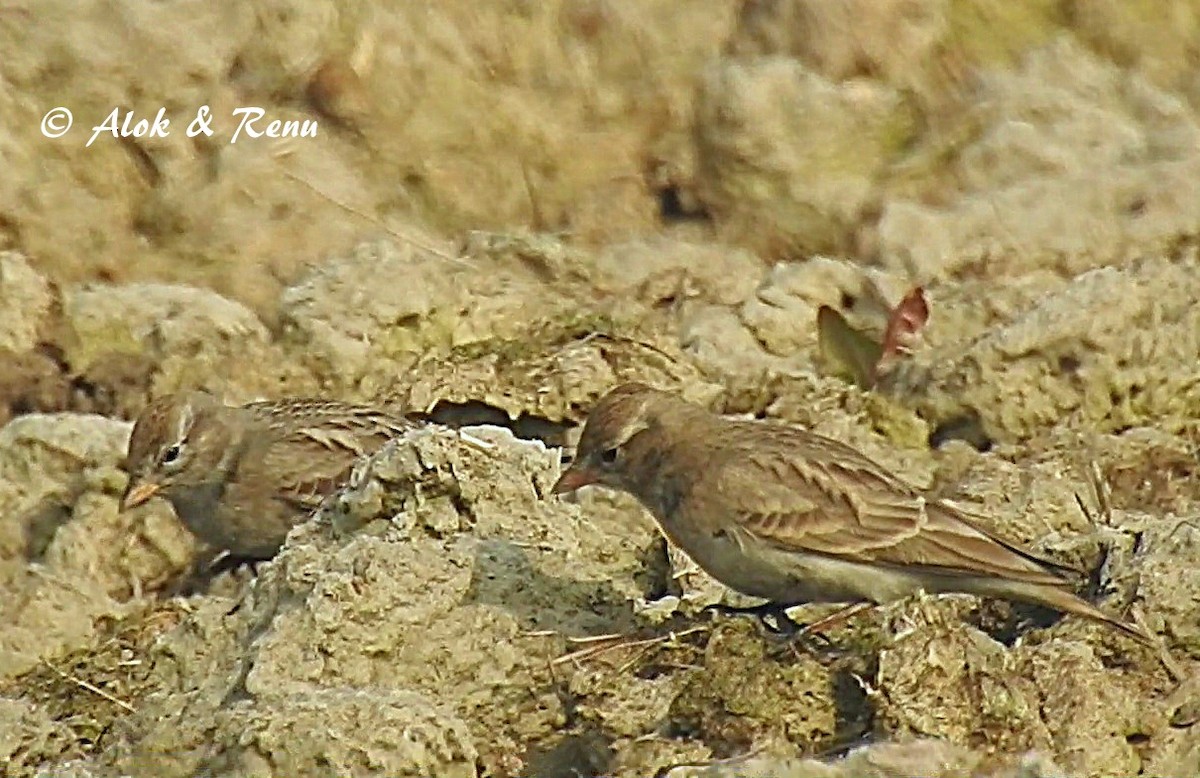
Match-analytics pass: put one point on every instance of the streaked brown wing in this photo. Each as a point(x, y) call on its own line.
point(365, 420)
point(314, 444)
point(803, 492)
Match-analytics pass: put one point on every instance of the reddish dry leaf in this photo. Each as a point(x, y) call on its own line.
point(904, 325)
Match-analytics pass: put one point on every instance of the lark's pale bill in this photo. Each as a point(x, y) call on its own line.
point(240, 477)
point(792, 517)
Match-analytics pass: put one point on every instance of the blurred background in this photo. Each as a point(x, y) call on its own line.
point(669, 150)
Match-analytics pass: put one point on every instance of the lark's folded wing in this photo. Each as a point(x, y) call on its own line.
point(803, 492)
point(320, 443)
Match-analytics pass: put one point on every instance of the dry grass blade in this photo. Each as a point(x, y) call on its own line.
point(424, 246)
point(624, 339)
point(729, 761)
point(602, 644)
point(91, 688)
point(474, 441)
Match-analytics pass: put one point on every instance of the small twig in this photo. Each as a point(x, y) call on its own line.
point(596, 638)
point(1162, 654)
point(1087, 514)
point(543, 546)
point(685, 666)
point(625, 339)
point(479, 442)
point(1103, 490)
point(637, 657)
point(535, 209)
point(583, 654)
point(1190, 524)
point(91, 688)
point(620, 641)
point(368, 217)
point(727, 761)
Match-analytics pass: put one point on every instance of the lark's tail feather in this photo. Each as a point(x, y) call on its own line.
point(1067, 602)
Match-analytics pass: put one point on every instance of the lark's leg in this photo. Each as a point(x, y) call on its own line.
point(792, 634)
point(783, 625)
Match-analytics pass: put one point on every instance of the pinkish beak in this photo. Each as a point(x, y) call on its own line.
point(572, 480)
point(137, 494)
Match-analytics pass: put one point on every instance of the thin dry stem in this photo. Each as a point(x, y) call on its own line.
point(373, 220)
point(611, 642)
point(91, 688)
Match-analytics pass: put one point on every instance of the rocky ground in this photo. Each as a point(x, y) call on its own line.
point(511, 207)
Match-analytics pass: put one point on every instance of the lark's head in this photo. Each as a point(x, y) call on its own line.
point(621, 422)
point(176, 440)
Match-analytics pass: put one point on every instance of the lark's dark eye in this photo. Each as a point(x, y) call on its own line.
point(609, 456)
point(170, 455)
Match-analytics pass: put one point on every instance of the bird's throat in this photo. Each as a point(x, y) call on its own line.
point(657, 476)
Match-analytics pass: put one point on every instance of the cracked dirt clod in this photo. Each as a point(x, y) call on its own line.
point(555, 373)
point(1139, 363)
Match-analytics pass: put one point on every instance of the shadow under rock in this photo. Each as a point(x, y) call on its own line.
point(504, 576)
point(214, 573)
point(855, 712)
point(475, 413)
point(585, 754)
point(967, 427)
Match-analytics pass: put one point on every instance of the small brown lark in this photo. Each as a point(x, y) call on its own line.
point(792, 517)
point(240, 477)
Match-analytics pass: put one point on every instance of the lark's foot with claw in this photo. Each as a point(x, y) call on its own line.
point(778, 624)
